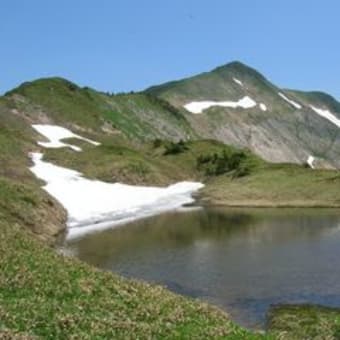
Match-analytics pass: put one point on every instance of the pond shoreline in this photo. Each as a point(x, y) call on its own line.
point(207, 200)
point(222, 256)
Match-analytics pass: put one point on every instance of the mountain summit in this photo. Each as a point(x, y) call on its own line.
point(237, 105)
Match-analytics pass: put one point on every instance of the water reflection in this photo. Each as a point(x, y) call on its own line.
point(240, 259)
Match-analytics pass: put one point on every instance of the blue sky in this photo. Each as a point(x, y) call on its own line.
point(123, 45)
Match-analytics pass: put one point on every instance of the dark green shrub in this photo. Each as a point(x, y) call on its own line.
point(224, 162)
point(157, 143)
point(172, 148)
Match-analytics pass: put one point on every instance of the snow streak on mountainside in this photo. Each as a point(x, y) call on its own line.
point(56, 133)
point(237, 81)
point(199, 107)
point(327, 114)
point(292, 102)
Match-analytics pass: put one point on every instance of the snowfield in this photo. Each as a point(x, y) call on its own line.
point(56, 133)
point(291, 102)
point(263, 107)
point(237, 81)
point(310, 161)
point(327, 114)
point(199, 107)
point(94, 205)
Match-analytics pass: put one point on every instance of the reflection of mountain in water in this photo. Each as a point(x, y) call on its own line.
point(194, 227)
point(243, 260)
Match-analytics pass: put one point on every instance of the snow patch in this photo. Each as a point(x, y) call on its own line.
point(199, 107)
point(56, 133)
point(291, 102)
point(310, 161)
point(327, 114)
point(263, 107)
point(237, 81)
point(93, 205)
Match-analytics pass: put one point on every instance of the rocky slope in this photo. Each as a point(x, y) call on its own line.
point(237, 105)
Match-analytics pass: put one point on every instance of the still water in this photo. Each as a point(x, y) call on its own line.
point(242, 260)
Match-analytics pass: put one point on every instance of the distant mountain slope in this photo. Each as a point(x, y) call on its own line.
point(137, 116)
point(237, 105)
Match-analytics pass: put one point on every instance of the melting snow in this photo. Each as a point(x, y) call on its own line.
point(237, 81)
point(93, 205)
point(295, 104)
point(56, 133)
point(327, 114)
point(263, 107)
point(310, 161)
point(199, 107)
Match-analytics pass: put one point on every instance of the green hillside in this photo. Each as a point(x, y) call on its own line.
point(136, 116)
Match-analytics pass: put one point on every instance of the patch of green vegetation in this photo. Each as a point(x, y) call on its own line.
point(147, 117)
point(302, 322)
point(156, 163)
point(276, 185)
point(237, 162)
point(172, 148)
point(112, 162)
point(63, 100)
point(139, 117)
point(22, 200)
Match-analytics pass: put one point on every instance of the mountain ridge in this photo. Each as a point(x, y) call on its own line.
point(279, 125)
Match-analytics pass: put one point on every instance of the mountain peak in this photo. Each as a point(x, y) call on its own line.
point(233, 65)
point(238, 68)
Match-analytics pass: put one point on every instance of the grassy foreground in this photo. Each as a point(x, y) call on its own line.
point(49, 296)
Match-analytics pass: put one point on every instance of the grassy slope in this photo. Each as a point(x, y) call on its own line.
point(280, 185)
point(21, 198)
point(147, 165)
point(137, 116)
